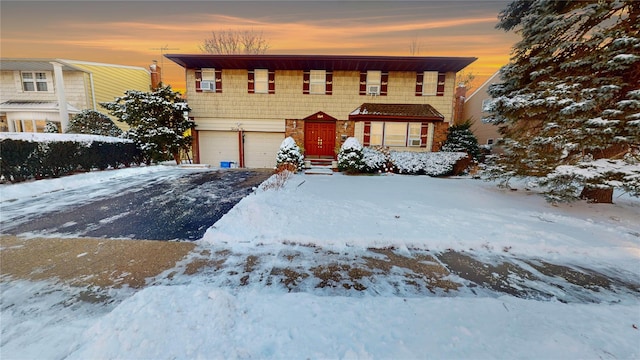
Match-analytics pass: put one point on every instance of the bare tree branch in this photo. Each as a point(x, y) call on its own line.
point(227, 42)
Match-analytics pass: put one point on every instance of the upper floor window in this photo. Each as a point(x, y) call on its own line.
point(317, 81)
point(34, 81)
point(208, 81)
point(374, 82)
point(430, 83)
point(261, 81)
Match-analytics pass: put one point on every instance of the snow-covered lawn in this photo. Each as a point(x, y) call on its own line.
point(198, 318)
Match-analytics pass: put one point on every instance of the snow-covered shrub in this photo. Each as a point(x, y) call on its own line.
point(460, 138)
point(94, 123)
point(427, 163)
point(50, 127)
point(350, 156)
point(289, 156)
point(376, 159)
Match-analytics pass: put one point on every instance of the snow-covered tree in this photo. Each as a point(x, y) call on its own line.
point(289, 156)
point(94, 123)
point(569, 103)
point(50, 127)
point(460, 138)
point(158, 121)
point(350, 156)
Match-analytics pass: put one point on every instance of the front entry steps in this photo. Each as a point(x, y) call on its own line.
point(319, 166)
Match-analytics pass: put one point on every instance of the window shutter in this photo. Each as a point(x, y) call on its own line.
point(367, 133)
point(218, 81)
point(198, 80)
point(441, 80)
point(424, 131)
point(272, 82)
point(419, 80)
point(251, 82)
point(384, 80)
point(363, 83)
point(329, 83)
point(306, 79)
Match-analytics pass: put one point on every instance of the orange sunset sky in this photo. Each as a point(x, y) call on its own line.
point(131, 32)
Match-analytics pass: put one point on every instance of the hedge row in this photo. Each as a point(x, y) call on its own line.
point(21, 160)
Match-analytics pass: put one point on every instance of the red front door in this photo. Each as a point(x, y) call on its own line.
point(319, 139)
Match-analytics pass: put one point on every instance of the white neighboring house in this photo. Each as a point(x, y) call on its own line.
point(34, 91)
point(487, 134)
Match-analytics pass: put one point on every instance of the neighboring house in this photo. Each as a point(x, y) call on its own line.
point(245, 105)
point(487, 134)
point(34, 91)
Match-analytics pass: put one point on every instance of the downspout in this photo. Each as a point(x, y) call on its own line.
point(241, 147)
point(93, 92)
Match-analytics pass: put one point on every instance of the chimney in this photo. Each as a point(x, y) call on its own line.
point(155, 75)
point(458, 104)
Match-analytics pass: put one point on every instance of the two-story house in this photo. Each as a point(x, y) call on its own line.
point(34, 91)
point(245, 105)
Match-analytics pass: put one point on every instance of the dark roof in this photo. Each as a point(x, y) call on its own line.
point(322, 62)
point(414, 111)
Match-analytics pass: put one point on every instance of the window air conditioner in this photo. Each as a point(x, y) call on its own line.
point(373, 90)
point(207, 85)
point(414, 142)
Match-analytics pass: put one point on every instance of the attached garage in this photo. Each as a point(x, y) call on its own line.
point(261, 148)
point(217, 146)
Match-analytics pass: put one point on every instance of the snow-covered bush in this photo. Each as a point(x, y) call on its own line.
point(350, 156)
point(460, 138)
point(94, 123)
point(289, 156)
point(376, 159)
point(427, 163)
point(50, 127)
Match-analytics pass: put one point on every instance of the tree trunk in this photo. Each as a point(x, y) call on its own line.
point(595, 195)
point(176, 157)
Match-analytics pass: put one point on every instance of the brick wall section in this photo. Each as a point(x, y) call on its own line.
point(297, 132)
point(439, 135)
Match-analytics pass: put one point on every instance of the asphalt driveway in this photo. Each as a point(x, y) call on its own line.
point(160, 207)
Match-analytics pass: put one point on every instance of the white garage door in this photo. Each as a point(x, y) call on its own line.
point(261, 148)
point(217, 146)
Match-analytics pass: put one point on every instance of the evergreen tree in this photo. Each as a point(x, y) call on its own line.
point(93, 123)
point(460, 138)
point(50, 127)
point(157, 120)
point(289, 156)
point(569, 104)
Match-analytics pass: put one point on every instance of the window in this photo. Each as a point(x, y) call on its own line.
point(317, 81)
point(489, 141)
point(34, 81)
point(430, 83)
point(395, 134)
point(32, 125)
point(399, 134)
point(261, 81)
point(208, 82)
point(414, 134)
point(376, 133)
point(374, 82)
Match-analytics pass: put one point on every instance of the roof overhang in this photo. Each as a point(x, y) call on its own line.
point(396, 112)
point(34, 106)
point(322, 62)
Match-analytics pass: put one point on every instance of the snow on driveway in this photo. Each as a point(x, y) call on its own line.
point(194, 317)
